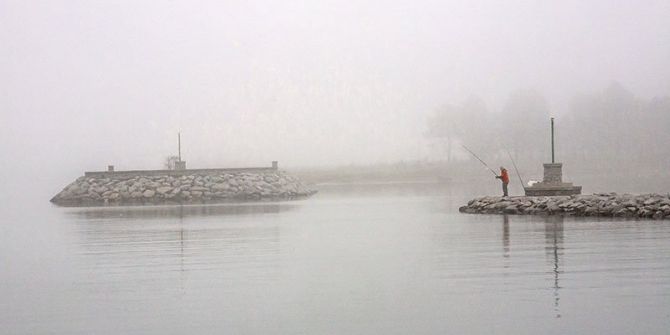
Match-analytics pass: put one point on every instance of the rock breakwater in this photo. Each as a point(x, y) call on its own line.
point(138, 189)
point(655, 206)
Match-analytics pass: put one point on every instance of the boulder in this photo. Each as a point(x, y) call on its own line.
point(651, 201)
point(220, 187)
point(511, 209)
point(164, 189)
point(199, 189)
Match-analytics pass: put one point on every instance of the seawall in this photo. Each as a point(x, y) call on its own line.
point(654, 206)
point(181, 187)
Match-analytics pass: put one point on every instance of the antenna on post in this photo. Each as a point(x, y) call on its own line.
point(552, 141)
point(179, 144)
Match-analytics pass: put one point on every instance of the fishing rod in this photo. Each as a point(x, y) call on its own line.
point(479, 159)
point(517, 170)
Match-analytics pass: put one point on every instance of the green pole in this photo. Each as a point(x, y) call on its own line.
point(552, 140)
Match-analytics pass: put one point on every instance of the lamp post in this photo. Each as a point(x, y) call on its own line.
point(552, 141)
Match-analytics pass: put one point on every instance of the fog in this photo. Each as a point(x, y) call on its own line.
point(91, 83)
point(367, 102)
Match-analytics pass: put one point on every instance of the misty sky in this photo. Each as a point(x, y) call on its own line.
point(90, 83)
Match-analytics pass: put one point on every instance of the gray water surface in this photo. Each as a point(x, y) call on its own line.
point(338, 263)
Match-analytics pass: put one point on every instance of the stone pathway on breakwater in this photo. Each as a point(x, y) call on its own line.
point(124, 189)
point(654, 206)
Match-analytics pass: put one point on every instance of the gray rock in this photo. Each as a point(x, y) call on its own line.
point(220, 187)
point(164, 189)
point(78, 190)
point(511, 209)
point(199, 189)
point(553, 208)
point(651, 201)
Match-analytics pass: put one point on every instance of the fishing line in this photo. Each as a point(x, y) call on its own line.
point(479, 159)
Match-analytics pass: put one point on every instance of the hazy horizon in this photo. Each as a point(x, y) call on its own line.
point(88, 84)
point(372, 225)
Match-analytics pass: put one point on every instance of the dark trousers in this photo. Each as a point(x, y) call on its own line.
point(504, 189)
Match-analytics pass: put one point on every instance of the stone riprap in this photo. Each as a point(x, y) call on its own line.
point(138, 189)
point(654, 206)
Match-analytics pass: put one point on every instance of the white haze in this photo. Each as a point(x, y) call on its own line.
point(90, 83)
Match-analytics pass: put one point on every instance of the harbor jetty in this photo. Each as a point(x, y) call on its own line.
point(654, 206)
point(181, 186)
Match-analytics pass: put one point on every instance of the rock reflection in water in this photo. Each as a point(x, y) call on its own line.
point(184, 244)
point(180, 211)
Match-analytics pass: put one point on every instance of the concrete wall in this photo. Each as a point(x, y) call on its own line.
point(553, 173)
point(133, 173)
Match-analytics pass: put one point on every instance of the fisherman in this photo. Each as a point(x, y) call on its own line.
point(504, 177)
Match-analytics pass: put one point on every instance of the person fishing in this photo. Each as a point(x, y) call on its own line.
point(504, 177)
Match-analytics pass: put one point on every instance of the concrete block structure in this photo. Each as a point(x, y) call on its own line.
point(552, 183)
point(553, 173)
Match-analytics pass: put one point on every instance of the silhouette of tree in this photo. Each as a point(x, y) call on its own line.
point(443, 126)
point(467, 123)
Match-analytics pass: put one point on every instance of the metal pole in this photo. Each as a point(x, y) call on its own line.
point(179, 144)
point(552, 140)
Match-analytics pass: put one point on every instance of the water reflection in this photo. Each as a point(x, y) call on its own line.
point(179, 244)
point(374, 189)
point(553, 245)
point(380, 265)
point(553, 232)
point(181, 211)
point(505, 236)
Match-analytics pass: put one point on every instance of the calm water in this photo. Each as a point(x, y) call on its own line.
point(343, 262)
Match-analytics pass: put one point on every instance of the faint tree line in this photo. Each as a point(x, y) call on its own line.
point(615, 131)
point(609, 131)
point(517, 129)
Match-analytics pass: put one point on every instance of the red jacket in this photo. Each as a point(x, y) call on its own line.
point(504, 176)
